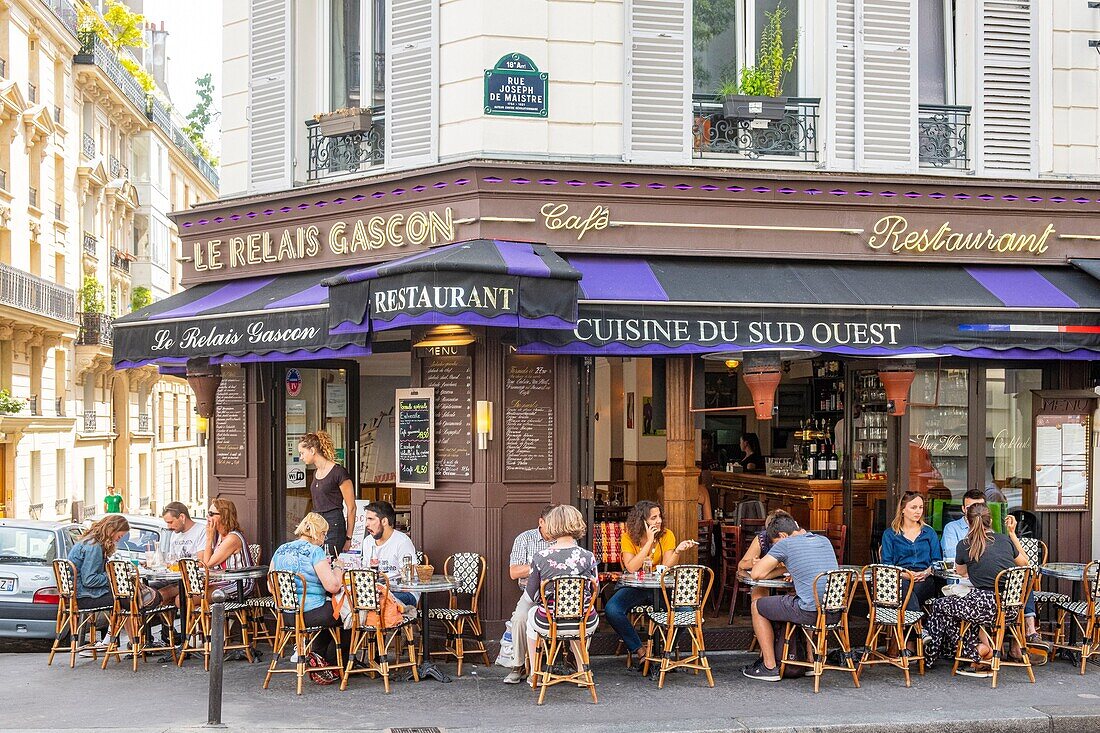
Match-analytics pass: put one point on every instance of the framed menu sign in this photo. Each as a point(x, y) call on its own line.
point(528, 418)
point(452, 378)
point(230, 425)
point(415, 410)
point(1062, 450)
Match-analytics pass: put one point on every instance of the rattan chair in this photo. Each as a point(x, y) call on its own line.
point(289, 593)
point(1044, 599)
point(127, 614)
point(370, 643)
point(1010, 588)
point(685, 589)
point(1084, 615)
point(840, 586)
point(569, 601)
point(72, 621)
point(889, 616)
point(198, 617)
point(461, 617)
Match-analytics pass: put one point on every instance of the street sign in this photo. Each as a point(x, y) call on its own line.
point(516, 88)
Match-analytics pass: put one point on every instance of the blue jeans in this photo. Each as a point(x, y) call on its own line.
point(1029, 606)
point(618, 609)
point(406, 598)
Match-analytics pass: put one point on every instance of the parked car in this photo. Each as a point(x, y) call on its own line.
point(145, 531)
point(28, 594)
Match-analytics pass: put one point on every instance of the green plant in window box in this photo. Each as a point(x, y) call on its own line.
point(91, 295)
point(10, 405)
point(141, 297)
point(344, 121)
point(755, 93)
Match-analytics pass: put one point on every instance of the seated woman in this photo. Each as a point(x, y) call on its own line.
point(306, 557)
point(750, 446)
point(980, 556)
point(226, 548)
point(757, 549)
point(564, 525)
point(645, 538)
point(911, 544)
point(90, 554)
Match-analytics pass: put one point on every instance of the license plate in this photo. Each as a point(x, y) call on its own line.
point(7, 585)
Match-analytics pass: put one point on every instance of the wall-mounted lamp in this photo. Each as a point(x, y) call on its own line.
point(484, 424)
point(202, 424)
point(732, 364)
point(446, 336)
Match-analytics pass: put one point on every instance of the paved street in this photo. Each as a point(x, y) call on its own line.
point(161, 697)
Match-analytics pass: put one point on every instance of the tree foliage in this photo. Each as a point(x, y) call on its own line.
point(119, 27)
point(765, 77)
point(200, 118)
point(141, 297)
point(91, 295)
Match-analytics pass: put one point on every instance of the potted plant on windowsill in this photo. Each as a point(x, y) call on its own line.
point(344, 121)
point(755, 93)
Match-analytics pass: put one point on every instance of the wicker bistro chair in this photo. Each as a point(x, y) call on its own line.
point(1085, 614)
point(370, 641)
point(462, 624)
point(690, 586)
point(72, 621)
point(127, 614)
point(1011, 589)
point(198, 616)
point(289, 593)
point(1044, 599)
point(890, 618)
point(569, 601)
point(840, 587)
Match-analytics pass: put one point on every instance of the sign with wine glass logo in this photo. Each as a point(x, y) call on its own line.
point(415, 443)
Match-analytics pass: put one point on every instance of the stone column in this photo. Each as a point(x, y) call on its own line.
point(681, 476)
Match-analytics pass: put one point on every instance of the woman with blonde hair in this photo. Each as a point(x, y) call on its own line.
point(911, 544)
point(306, 557)
point(226, 547)
point(331, 489)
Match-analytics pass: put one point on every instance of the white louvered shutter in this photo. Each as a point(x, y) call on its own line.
point(658, 89)
point(886, 84)
point(844, 83)
point(411, 83)
point(1007, 97)
point(270, 47)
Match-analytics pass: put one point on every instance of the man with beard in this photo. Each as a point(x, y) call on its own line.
point(389, 547)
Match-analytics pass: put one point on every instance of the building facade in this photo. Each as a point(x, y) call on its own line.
point(93, 167)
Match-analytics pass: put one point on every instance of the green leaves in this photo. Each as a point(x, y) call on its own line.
point(141, 297)
point(91, 295)
point(765, 78)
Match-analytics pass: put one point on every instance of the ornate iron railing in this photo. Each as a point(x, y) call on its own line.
point(60, 505)
point(158, 113)
point(32, 405)
point(95, 329)
point(90, 244)
point(91, 421)
point(944, 140)
point(179, 137)
point(350, 153)
point(87, 145)
point(94, 51)
point(35, 511)
point(793, 137)
point(120, 260)
point(57, 210)
point(114, 166)
point(35, 295)
point(32, 196)
point(4, 68)
point(143, 503)
point(32, 93)
point(379, 72)
point(59, 407)
point(65, 11)
point(144, 423)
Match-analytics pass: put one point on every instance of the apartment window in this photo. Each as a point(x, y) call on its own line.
point(936, 51)
point(35, 357)
point(60, 380)
point(59, 268)
point(36, 478)
point(727, 34)
point(356, 53)
point(89, 484)
point(60, 474)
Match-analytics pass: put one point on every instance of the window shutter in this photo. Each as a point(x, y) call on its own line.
point(658, 89)
point(844, 83)
point(1007, 96)
point(411, 81)
point(886, 84)
point(270, 46)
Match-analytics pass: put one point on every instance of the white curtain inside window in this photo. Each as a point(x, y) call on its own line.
point(932, 52)
point(344, 54)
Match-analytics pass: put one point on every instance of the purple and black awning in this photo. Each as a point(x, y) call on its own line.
point(651, 306)
point(477, 283)
point(271, 318)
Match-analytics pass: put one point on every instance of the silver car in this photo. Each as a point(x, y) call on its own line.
point(28, 594)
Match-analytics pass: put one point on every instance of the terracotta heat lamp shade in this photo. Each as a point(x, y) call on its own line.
point(205, 386)
point(897, 386)
point(762, 383)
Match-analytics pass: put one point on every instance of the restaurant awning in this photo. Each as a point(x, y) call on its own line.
point(477, 283)
point(272, 318)
point(634, 306)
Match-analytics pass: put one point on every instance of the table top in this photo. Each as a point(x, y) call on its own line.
point(436, 584)
point(782, 583)
point(1063, 570)
point(163, 573)
point(940, 572)
point(649, 580)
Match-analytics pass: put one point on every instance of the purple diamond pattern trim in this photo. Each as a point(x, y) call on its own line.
point(838, 192)
point(937, 195)
point(187, 224)
point(419, 189)
point(683, 187)
point(603, 184)
point(439, 185)
point(235, 217)
point(864, 193)
point(339, 200)
point(398, 192)
point(787, 191)
point(629, 184)
point(548, 181)
point(1080, 200)
point(888, 194)
point(762, 189)
point(219, 219)
point(462, 181)
point(492, 179)
point(321, 204)
point(962, 197)
point(913, 195)
point(1034, 199)
point(521, 181)
point(358, 197)
point(1058, 199)
point(735, 189)
point(252, 215)
point(655, 186)
point(204, 222)
point(813, 191)
point(1010, 197)
point(574, 182)
point(986, 197)
point(708, 187)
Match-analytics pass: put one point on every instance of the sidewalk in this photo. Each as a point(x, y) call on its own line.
point(165, 698)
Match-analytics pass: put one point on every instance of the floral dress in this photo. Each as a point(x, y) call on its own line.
point(554, 562)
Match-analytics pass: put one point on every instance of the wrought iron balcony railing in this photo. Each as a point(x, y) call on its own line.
point(60, 506)
point(179, 137)
point(59, 407)
point(26, 292)
point(350, 153)
point(95, 329)
point(32, 93)
point(95, 51)
point(32, 196)
point(91, 421)
point(65, 11)
point(87, 145)
point(57, 210)
point(144, 422)
point(113, 166)
point(158, 113)
point(944, 140)
point(34, 406)
point(90, 244)
point(4, 68)
point(35, 510)
point(120, 260)
point(793, 137)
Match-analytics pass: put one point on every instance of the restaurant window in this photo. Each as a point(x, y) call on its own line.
point(936, 51)
point(356, 53)
point(725, 37)
point(938, 430)
point(1008, 413)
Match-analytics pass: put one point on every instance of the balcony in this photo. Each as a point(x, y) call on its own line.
point(144, 423)
point(60, 506)
point(179, 137)
point(32, 93)
point(794, 137)
point(33, 404)
point(158, 114)
point(90, 244)
point(32, 196)
point(120, 260)
point(57, 211)
point(33, 294)
point(95, 51)
point(59, 407)
point(351, 153)
point(113, 166)
point(87, 146)
point(91, 421)
point(65, 11)
point(95, 329)
point(944, 136)
point(35, 510)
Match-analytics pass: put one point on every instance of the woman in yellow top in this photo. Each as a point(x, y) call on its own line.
point(645, 538)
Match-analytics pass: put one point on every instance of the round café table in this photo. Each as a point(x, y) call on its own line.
point(1075, 573)
point(783, 582)
point(438, 584)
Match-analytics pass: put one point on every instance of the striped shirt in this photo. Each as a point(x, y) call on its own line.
point(806, 556)
point(525, 547)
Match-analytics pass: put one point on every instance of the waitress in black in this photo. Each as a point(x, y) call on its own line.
point(750, 446)
point(332, 489)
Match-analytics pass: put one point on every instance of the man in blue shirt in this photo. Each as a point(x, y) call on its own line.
point(955, 532)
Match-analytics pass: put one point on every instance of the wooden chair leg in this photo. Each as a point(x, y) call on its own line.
point(964, 627)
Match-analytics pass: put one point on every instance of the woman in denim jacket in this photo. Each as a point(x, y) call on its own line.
point(90, 555)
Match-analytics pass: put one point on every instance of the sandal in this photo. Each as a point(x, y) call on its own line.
point(323, 676)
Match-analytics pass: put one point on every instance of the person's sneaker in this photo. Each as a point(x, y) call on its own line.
point(981, 672)
point(759, 672)
point(514, 677)
point(93, 651)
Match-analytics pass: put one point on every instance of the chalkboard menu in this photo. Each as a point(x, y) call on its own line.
point(415, 447)
point(452, 378)
point(230, 425)
point(529, 418)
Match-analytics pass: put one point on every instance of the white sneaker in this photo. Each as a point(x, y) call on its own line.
point(514, 677)
point(93, 651)
point(294, 658)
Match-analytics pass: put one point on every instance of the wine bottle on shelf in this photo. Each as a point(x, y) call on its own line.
point(822, 471)
point(834, 463)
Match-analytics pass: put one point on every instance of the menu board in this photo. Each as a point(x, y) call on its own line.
point(452, 378)
point(1061, 462)
point(529, 418)
point(415, 447)
point(230, 425)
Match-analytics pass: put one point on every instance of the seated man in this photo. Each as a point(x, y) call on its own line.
point(805, 555)
point(519, 567)
point(955, 532)
point(384, 548)
point(187, 538)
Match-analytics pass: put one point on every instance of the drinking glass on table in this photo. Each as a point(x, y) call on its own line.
point(647, 566)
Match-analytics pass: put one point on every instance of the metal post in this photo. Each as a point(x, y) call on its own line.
point(217, 657)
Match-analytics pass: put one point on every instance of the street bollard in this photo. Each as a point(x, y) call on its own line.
point(217, 657)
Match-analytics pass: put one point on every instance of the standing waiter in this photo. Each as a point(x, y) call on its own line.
point(332, 490)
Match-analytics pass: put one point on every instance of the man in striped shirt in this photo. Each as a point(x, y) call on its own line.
point(519, 567)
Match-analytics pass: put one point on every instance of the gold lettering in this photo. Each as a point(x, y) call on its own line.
point(392, 236)
point(215, 251)
point(313, 241)
point(253, 248)
point(236, 252)
point(376, 233)
point(337, 242)
point(417, 227)
point(359, 238)
point(892, 232)
point(886, 230)
point(557, 216)
point(442, 227)
point(265, 249)
point(286, 246)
